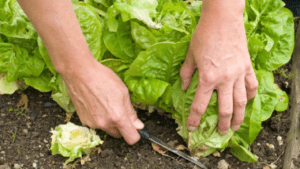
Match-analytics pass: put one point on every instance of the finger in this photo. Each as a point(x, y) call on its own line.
point(240, 101)
point(251, 84)
point(127, 129)
point(198, 107)
point(187, 71)
point(132, 115)
point(225, 102)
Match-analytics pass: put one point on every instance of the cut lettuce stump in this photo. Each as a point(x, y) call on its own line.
point(70, 140)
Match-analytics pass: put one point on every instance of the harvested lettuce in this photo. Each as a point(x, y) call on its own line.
point(70, 140)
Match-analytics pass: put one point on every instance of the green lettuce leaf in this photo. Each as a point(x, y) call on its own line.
point(161, 61)
point(133, 9)
point(145, 90)
point(14, 22)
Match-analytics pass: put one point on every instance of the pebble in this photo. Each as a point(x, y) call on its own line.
point(34, 165)
point(2, 152)
point(271, 146)
point(1, 123)
point(279, 139)
point(222, 164)
point(273, 166)
point(28, 124)
point(48, 104)
point(3, 114)
point(25, 131)
point(17, 166)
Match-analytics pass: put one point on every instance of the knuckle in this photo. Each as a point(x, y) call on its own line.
point(241, 102)
point(254, 85)
point(199, 109)
point(184, 74)
point(225, 113)
point(207, 78)
point(239, 121)
point(115, 119)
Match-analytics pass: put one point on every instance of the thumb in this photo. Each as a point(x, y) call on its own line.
point(133, 116)
point(187, 70)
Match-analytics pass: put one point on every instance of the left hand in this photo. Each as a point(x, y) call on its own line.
point(219, 50)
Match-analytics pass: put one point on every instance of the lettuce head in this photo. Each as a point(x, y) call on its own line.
point(70, 140)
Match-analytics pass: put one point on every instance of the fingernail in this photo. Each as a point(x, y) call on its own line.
point(236, 127)
point(138, 124)
point(223, 132)
point(191, 128)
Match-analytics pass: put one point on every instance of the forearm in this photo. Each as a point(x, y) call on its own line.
point(57, 25)
point(221, 21)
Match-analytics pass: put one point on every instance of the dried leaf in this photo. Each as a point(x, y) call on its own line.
point(85, 159)
point(217, 154)
point(180, 147)
point(23, 102)
point(158, 148)
point(98, 150)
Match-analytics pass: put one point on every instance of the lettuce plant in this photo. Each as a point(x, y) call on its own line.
point(70, 140)
point(145, 43)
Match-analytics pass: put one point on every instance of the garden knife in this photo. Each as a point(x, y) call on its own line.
point(145, 134)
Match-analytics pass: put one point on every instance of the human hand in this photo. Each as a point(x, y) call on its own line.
point(219, 50)
point(102, 101)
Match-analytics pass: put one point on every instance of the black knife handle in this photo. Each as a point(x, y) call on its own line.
point(145, 134)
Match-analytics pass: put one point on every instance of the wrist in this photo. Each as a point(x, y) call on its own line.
point(223, 9)
point(72, 62)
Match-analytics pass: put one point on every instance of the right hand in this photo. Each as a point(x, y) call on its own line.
point(102, 101)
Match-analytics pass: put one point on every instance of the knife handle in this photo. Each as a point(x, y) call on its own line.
point(145, 134)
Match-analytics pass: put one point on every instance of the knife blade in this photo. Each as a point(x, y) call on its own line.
point(145, 134)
